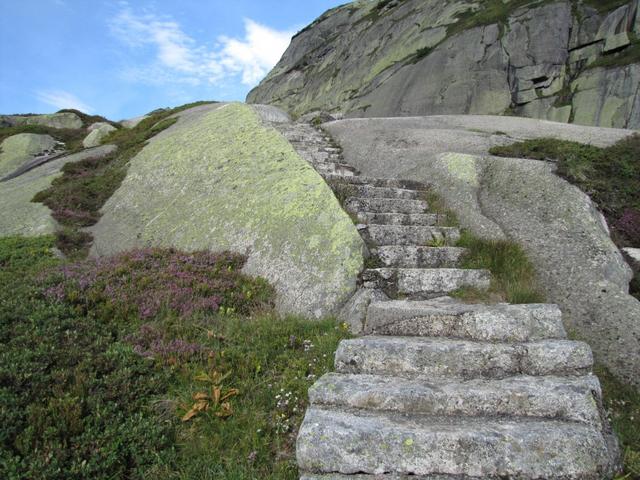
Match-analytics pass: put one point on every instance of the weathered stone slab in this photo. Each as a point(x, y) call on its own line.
point(333, 441)
point(498, 323)
point(569, 399)
point(440, 357)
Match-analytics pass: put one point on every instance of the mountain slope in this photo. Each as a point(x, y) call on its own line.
point(569, 61)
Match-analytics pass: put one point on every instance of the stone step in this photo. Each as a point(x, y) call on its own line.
point(377, 182)
point(376, 443)
point(369, 191)
point(443, 357)
point(408, 256)
point(497, 323)
point(425, 281)
point(384, 205)
point(340, 169)
point(410, 235)
point(574, 399)
point(417, 219)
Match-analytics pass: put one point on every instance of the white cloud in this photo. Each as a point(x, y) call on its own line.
point(178, 58)
point(256, 54)
point(61, 99)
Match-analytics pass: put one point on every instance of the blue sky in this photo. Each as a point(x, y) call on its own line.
point(121, 58)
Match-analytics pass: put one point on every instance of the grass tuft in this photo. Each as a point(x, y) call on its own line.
point(513, 276)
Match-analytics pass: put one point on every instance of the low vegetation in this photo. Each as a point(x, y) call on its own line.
point(76, 197)
point(513, 277)
point(622, 403)
point(152, 363)
point(610, 176)
point(71, 137)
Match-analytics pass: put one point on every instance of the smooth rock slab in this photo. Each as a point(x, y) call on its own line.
point(332, 441)
point(569, 399)
point(440, 357)
point(497, 323)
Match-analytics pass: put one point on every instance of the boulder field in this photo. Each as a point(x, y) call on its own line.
point(221, 179)
point(572, 61)
point(564, 235)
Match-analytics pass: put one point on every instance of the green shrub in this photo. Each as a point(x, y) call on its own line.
point(91, 388)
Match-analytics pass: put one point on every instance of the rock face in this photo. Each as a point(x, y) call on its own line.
point(559, 227)
point(16, 150)
point(54, 120)
point(97, 133)
point(559, 60)
point(19, 215)
point(222, 179)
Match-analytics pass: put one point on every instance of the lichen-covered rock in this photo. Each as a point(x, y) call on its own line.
point(53, 120)
point(19, 215)
point(219, 179)
point(561, 230)
point(19, 149)
point(97, 132)
point(416, 57)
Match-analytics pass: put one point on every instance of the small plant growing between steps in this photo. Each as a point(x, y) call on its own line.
point(513, 275)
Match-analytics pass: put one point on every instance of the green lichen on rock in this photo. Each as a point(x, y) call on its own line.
point(17, 149)
point(19, 214)
point(220, 180)
point(68, 120)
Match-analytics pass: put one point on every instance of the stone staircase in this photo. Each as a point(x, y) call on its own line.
point(436, 389)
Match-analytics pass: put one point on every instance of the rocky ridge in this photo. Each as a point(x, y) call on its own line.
point(567, 61)
point(435, 388)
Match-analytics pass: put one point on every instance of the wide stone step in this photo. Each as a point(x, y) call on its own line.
point(575, 399)
point(425, 281)
point(333, 168)
point(498, 323)
point(443, 357)
point(409, 256)
point(376, 182)
point(410, 235)
point(417, 219)
point(361, 442)
point(384, 205)
point(370, 191)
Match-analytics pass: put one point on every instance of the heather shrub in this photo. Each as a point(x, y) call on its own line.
point(91, 390)
point(149, 282)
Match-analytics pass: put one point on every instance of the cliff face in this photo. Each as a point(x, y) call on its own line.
point(570, 61)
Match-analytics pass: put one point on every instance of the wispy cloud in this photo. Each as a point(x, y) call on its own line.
point(61, 99)
point(178, 58)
